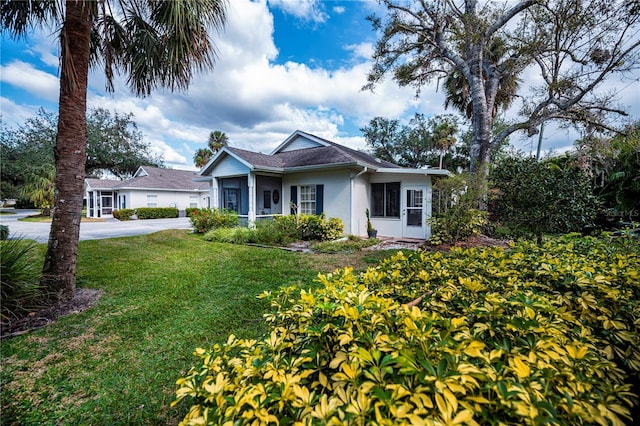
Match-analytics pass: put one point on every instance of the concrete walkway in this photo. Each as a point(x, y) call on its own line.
point(110, 228)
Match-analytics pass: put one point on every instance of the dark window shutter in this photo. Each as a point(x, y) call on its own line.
point(319, 199)
point(294, 198)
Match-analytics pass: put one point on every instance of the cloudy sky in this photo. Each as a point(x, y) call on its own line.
point(283, 65)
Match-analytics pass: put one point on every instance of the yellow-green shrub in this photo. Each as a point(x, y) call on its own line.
point(530, 335)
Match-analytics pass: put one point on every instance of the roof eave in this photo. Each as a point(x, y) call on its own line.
point(430, 172)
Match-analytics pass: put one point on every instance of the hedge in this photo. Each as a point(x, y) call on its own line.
point(123, 214)
point(530, 335)
point(156, 212)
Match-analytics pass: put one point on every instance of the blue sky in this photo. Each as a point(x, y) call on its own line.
point(284, 65)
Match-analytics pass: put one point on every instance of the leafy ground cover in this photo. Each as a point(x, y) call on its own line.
point(530, 335)
point(162, 295)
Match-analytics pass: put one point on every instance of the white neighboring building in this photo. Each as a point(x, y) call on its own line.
point(149, 187)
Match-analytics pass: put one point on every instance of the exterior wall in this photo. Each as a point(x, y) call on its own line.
point(228, 167)
point(270, 184)
point(360, 203)
point(337, 192)
point(392, 227)
point(178, 199)
point(300, 143)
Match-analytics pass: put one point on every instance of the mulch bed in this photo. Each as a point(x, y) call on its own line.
point(85, 299)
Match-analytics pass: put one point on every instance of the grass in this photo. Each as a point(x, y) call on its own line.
point(47, 219)
point(165, 294)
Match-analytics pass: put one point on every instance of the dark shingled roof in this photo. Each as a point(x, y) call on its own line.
point(102, 183)
point(321, 155)
point(156, 178)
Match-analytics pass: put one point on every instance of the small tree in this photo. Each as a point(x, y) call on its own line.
point(533, 198)
point(39, 188)
point(457, 215)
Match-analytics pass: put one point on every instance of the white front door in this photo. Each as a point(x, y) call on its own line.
point(413, 213)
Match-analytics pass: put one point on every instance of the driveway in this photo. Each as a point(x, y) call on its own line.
point(110, 228)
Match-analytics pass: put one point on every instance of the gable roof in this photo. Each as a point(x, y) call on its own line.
point(147, 177)
point(317, 153)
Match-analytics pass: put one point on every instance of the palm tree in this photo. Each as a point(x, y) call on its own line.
point(458, 93)
point(202, 157)
point(153, 43)
point(217, 141)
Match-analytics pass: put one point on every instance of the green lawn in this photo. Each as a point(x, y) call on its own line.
point(164, 295)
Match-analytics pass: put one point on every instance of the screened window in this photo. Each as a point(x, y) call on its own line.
point(385, 199)
point(152, 200)
point(307, 199)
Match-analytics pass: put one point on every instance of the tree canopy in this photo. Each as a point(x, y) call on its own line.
point(420, 143)
point(114, 146)
point(153, 44)
point(481, 49)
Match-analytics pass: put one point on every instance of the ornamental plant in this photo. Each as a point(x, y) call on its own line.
point(203, 220)
point(530, 335)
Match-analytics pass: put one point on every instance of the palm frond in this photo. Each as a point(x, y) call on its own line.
point(18, 17)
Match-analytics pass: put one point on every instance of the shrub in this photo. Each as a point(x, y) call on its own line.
point(123, 214)
point(20, 279)
point(231, 235)
point(319, 228)
point(157, 212)
point(203, 220)
point(457, 215)
point(534, 198)
point(24, 203)
point(189, 211)
point(351, 244)
point(530, 335)
point(4, 232)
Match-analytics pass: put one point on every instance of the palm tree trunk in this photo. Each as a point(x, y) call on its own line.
point(59, 271)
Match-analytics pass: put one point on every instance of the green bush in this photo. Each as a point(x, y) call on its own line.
point(203, 220)
point(530, 335)
point(123, 214)
point(20, 279)
point(457, 215)
point(4, 232)
point(157, 212)
point(231, 235)
point(309, 227)
point(351, 244)
point(189, 211)
point(535, 198)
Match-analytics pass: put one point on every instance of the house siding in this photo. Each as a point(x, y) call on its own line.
point(230, 166)
point(336, 192)
point(300, 143)
point(177, 199)
point(393, 226)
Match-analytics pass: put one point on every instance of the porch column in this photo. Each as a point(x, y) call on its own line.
point(252, 199)
point(86, 197)
point(214, 201)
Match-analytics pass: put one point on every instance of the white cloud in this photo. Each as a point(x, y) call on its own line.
point(26, 77)
point(307, 10)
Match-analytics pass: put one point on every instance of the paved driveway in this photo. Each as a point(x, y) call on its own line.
point(110, 228)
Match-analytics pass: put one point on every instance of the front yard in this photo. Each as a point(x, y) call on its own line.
point(521, 335)
point(164, 295)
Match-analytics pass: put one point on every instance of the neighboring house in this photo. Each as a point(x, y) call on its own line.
point(149, 187)
point(311, 175)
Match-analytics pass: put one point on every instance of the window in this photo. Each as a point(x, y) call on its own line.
point(193, 201)
point(385, 199)
point(266, 200)
point(152, 200)
point(230, 199)
point(307, 199)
